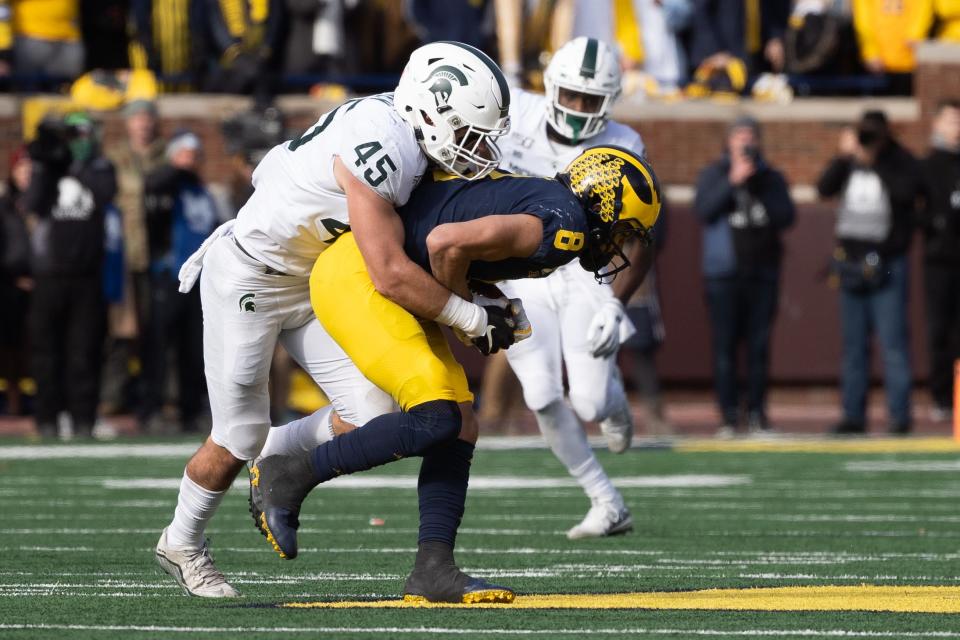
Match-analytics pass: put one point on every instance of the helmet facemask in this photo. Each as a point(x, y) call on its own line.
point(576, 124)
point(603, 253)
point(472, 152)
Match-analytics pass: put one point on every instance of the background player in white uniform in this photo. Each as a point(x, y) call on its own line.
point(349, 171)
point(575, 320)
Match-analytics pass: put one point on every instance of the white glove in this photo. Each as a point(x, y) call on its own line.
point(603, 335)
point(190, 270)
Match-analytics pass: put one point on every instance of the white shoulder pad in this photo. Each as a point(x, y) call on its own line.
point(380, 149)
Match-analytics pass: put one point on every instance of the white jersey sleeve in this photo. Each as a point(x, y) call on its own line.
point(297, 208)
point(381, 151)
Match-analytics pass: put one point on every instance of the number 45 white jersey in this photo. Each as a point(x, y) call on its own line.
point(297, 209)
point(528, 150)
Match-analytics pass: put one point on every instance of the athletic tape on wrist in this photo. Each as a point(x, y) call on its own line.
point(466, 316)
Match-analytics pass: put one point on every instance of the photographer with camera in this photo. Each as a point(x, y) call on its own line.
point(72, 184)
point(878, 183)
point(744, 205)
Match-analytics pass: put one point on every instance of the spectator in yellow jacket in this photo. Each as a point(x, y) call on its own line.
point(946, 13)
point(47, 47)
point(884, 33)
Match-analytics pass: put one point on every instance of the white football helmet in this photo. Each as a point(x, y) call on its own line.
point(582, 66)
point(456, 99)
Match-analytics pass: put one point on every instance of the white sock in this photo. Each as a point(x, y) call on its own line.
point(195, 508)
point(300, 436)
point(596, 484)
point(565, 435)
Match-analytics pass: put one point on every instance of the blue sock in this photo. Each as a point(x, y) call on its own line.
point(387, 438)
point(442, 490)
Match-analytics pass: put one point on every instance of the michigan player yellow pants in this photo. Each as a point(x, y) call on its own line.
point(406, 357)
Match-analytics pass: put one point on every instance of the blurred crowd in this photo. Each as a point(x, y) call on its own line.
point(670, 48)
point(93, 233)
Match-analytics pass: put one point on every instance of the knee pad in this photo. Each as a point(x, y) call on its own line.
point(432, 423)
point(598, 403)
point(243, 441)
point(539, 392)
point(589, 407)
point(420, 383)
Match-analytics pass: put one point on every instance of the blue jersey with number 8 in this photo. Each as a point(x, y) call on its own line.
point(442, 199)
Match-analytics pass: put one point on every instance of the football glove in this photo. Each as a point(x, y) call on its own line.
point(498, 333)
point(603, 335)
point(514, 306)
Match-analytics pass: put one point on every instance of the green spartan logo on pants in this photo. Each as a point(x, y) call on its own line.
point(247, 304)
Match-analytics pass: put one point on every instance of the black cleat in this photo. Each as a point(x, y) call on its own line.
point(278, 486)
point(436, 578)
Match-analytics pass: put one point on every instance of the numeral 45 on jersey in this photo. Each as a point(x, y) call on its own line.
point(366, 151)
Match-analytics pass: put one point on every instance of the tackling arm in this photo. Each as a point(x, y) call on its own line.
point(379, 234)
point(453, 246)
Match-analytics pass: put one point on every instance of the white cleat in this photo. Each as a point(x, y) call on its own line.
point(603, 520)
point(618, 430)
point(193, 569)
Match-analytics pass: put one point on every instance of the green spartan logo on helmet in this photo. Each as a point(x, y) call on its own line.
point(442, 85)
point(247, 304)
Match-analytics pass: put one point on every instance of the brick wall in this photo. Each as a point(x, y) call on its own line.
point(680, 138)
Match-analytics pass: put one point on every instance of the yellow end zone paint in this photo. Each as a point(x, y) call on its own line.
point(864, 445)
point(926, 599)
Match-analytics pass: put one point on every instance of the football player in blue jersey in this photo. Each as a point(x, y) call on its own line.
point(499, 228)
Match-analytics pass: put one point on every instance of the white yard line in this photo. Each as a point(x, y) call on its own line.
point(834, 517)
point(370, 530)
point(187, 449)
point(500, 483)
point(873, 466)
point(634, 631)
point(81, 588)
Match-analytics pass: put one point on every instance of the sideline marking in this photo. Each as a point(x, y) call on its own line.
point(912, 599)
point(822, 445)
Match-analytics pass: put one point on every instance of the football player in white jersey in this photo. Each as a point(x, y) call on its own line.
point(348, 172)
point(575, 320)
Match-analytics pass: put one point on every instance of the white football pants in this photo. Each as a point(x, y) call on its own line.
point(245, 312)
point(560, 308)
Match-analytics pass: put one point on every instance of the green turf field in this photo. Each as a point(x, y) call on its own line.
point(78, 532)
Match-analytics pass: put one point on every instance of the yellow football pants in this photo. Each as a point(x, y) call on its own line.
point(406, 357)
